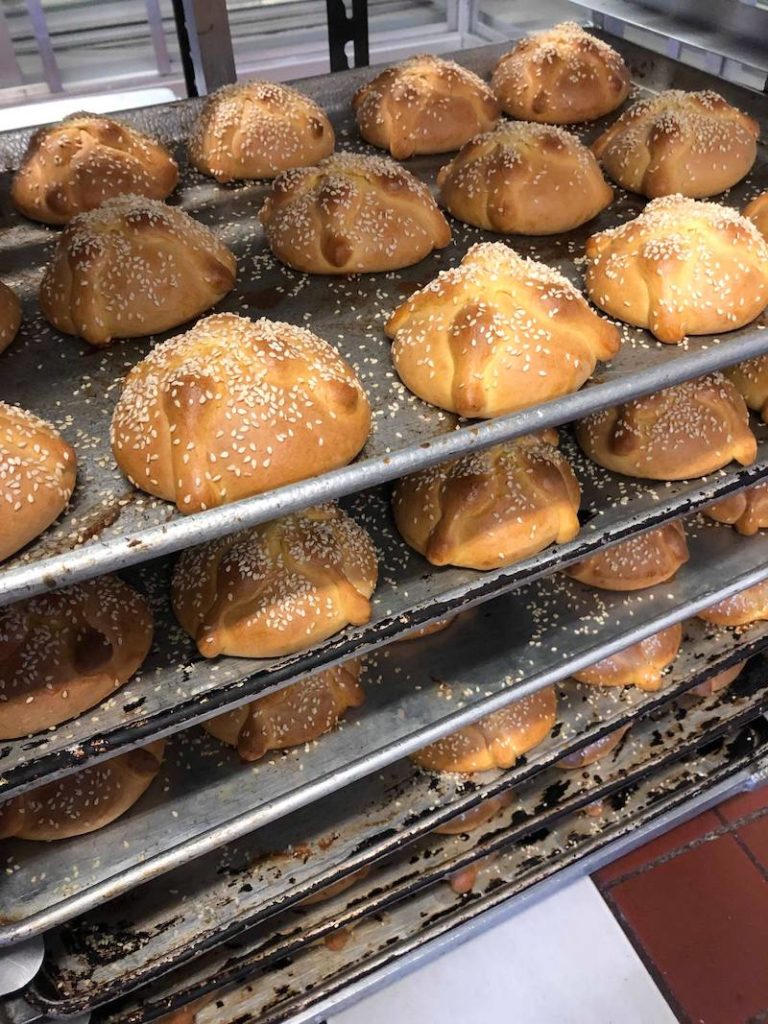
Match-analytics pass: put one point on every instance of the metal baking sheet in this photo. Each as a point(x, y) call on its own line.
point(279, 979)
point(146, 933)
point(109, 525)
point(205, 797)
point(177, 687)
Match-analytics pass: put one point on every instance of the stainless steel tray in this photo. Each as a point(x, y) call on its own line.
point(265, 959)
point(159, 926)
point(177, 687)
point(419, 691)
point(110, 526)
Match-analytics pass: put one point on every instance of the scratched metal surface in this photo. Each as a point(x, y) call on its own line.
point(177, 687)
point(264, 959)
point(109, 525)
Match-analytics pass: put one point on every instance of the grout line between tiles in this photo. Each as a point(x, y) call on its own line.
point(750, 855)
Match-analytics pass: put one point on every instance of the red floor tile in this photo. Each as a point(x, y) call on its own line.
point(743, 804)
point(755, 838)
point(701, 920)
point(662, 846)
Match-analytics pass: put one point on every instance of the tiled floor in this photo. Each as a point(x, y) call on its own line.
point(694, 903)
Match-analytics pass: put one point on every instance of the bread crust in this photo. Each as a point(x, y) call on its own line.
point(691, 143)
point(235, 407)
point(352, 214)
point(563, 75)
point(513, 179)
point(740, 609)
point(757, 212)
point(643, 560)
point(79, 162)
point(84, 802)
point(133, 267)
point(682, 267)
point(642, 664)
point(292, 716)
point(680, 433)
point(256, 130)
point(745, 510)
point(424, 105)
point(718, 682)
point(750, 378)
point(595, 751)
point(496, 334)
point(10, 316)
point(495, 741)
point(277, 588)
point(37, 477)
point(489, 509)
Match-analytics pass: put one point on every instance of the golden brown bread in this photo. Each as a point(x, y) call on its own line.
point(258, 129)
point(561, 76)
point(477, 816)
point(642, 664)
point(751, 380)
point(276, 588)
point(513, 180)
point(84, 802)
point(495, 741)
point(594, 751)
point(424, 105)
point(496, 334)
point(352, 214)
point(336, 888)
point(680, 433)
point(757, 212)
point(294, 715)
point(235, 407)
point(76, 164)
point(641, 561)
point(62, 653)
point(718, 682)
point(692, 143)
point(133, 267)
point(37, 477)
point(430, 630)
point(740, 609)
point(490, 508)
point(681, 267)
point(10, 316)
point(745, 510)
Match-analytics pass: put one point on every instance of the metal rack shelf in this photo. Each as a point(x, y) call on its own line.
point(87, 963)
point(110, 526)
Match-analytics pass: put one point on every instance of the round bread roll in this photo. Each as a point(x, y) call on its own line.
point(430, 630)
point(424, 105)
point(741, 609)
point(62, 653)
point(133, 267)
point(336, 888)
point(746, 510)
point(37, 477)
point(235, 407)
point(352, 214)
point(681, 267)
point(490, 508)
point(477, 815)
point(294, 715)
point(84, 802)
point(692, 143)
point(496, 334)
point(276, 588)
point(592, 752)
point(561, 76)
point(644, 560)
point(757, 212)
point(257, 130)
point(680, 433)
point(76, 164)
point(718, 682)
point(513, 180)
point(10, 316)
point(751, 380)
point(642, 664)
point(495, 741)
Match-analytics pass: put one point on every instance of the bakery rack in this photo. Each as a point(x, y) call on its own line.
point(538, 628)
